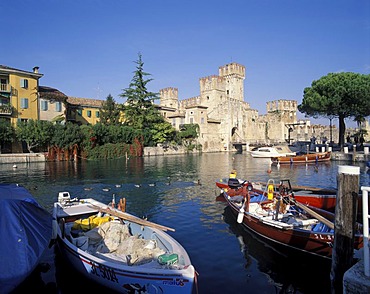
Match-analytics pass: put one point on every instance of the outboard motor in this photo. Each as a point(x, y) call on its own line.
point(234, 184)
point(64, 197)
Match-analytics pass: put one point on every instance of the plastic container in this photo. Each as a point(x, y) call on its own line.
point(168, 258)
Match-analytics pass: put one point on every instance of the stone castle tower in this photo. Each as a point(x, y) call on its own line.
point(222, 114)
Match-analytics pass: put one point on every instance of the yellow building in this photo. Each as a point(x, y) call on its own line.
point(83, 110)
point(19, 94)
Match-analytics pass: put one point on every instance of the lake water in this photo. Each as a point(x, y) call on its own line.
point(227, 258)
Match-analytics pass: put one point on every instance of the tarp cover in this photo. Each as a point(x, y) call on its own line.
point(25, 233)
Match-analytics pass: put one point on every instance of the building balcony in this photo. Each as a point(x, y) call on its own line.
point(6, 109)
point(5, 88)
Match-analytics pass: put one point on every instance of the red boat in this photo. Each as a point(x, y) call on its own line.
point(289, 223)
point(316, 197)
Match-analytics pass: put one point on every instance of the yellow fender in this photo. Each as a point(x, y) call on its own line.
point(270, 191)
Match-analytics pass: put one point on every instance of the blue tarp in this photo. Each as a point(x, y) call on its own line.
point(25, 233)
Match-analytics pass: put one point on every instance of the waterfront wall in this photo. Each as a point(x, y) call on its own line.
point(22, 158)
point(162, 151)
point(170, 150)
point(351, 156)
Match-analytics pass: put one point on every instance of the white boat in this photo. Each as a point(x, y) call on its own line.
point(143, 259)
point(271, 151)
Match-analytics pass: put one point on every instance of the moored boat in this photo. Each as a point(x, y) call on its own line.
point(316, 197)
point(285, 222)
point(271, 151)
point(143, 259)
point(303, 158)
point(26, 231)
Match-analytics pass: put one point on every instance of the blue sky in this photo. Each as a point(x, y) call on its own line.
point(88, 48)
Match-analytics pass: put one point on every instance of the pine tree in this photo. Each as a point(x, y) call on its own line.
point(139, 109)
point(110, 113)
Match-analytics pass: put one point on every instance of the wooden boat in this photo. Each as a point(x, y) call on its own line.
point(26, 232)
point(224, 183)
point(303, 158)
point(290, 224)
point(316, 197)
point(143, 259)
point(271, 151)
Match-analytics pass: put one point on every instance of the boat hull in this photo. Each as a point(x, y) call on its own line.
point(318, 243)
point(326, 200)
point(268, 152)
point(303, 159)
point(117, 273)
point(125, 280)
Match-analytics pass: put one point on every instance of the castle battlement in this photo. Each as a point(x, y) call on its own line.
point(212, 82)
point(169, 97)
point(232, 69)
point(281, 105)
point(189, 102)
point(211, 78)
point(169, 93)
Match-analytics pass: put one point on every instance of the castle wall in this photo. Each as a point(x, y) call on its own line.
point(223, 115)
point(211, 137)
point(169, 97)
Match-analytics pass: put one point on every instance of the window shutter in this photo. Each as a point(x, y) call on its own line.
point(24, 103)
point(44, 105)
point(24, 83)
point(58, 106)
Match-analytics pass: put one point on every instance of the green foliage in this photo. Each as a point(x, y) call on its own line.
point(35, 133)
point(87, 137)
point(139, 110)
point(340, 95)
point(187, 136)
point(124, 134)
point(109, 151)
point(163, 132)
point(109, 113)
point(189, 131)
point(112, 151)
point(107, 140)
point(66, 136)
point(6, 131)
point(103, 134)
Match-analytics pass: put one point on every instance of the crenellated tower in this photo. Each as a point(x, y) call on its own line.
point(287, 109)
point(234, 75)
point(169, 97)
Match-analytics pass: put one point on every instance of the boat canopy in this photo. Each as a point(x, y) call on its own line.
point(26, 230)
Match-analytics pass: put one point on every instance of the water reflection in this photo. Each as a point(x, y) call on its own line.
point(228, 258)
point(289, 273)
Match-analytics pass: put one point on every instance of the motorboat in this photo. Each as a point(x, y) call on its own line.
point(271, 151)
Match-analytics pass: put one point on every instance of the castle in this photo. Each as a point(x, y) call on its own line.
point(226, 120)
